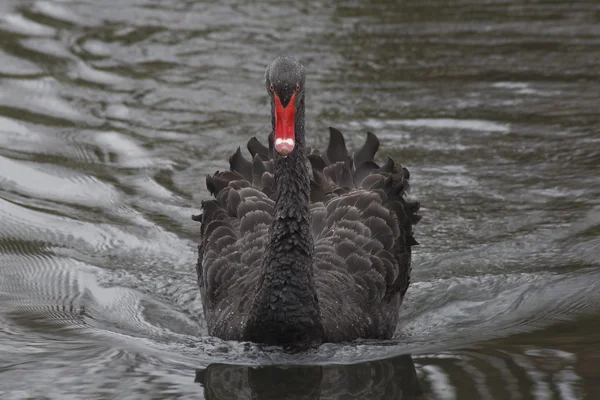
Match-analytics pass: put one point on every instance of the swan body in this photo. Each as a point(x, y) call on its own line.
point(291, 255)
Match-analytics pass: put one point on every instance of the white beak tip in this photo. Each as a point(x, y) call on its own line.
point(284, 146)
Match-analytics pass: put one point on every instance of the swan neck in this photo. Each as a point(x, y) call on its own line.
point(286, 309)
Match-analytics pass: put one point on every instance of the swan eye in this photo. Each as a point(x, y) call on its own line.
point(271, 88)
point(297, 87)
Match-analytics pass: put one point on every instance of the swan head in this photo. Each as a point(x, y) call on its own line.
point(284, 80)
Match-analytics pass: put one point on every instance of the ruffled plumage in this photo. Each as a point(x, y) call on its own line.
point(361, 222)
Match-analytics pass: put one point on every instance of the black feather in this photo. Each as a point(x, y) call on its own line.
point(258, 169)
point(388, 167)
point(316, 161)
point(363, 170)
point(255, 147)
point(336, 150)
point(367, 151)
point(239, 164)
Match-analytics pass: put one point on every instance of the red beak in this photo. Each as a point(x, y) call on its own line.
point(285, 120)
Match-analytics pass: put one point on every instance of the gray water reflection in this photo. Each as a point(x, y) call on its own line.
point(112, 112)
point(387, 379)
point(544, 373)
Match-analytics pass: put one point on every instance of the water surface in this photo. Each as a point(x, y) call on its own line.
point(112, 113)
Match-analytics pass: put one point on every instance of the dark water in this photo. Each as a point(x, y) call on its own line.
point(111, 113)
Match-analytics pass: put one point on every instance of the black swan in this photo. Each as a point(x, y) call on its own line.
point(290, 259)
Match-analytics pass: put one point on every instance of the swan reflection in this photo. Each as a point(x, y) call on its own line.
point(394, 378)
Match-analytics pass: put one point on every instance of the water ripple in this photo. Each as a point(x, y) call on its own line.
point(112, 112)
